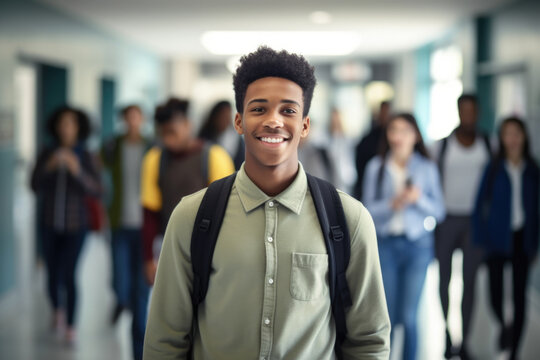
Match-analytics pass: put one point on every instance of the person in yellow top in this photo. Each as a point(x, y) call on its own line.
point(179, 166)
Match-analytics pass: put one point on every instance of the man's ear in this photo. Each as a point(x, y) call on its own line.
point(306, 124)
point(238, 124)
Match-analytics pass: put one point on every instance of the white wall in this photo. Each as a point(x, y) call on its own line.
point(35, 32)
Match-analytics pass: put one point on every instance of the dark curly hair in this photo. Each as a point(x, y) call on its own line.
point(266, 62)
point(83, 122)
point(171, 109)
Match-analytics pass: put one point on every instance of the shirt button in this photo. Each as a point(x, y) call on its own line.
point(266, 321)
point(270, 239)
point(271, 204)
point(270, 281)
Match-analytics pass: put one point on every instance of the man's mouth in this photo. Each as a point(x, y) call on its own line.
point(272, 140)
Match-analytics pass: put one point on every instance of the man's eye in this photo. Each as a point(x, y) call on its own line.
point(289, 111)
point(257, 109)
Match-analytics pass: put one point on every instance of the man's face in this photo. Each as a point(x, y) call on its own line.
point(272, 122)
point(384, 114)
point(468, 114)
point(175, 134)
point(134, 120)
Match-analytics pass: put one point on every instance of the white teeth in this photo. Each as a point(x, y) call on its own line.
point(272, 140)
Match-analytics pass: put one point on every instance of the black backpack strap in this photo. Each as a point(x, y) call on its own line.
point(487, 142)
point(442, 153)
point(205, 161)
point(336, 236)
point(204, 236)
point(163, 161)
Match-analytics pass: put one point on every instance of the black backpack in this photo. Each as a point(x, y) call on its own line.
point(334, 227)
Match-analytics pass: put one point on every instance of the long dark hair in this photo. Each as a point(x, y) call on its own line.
point(501, 154)
point(419, 147)
point(209, 130)
point(500, 157)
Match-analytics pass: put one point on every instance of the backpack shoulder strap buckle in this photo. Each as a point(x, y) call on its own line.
point(337, 233)
point(204, 225)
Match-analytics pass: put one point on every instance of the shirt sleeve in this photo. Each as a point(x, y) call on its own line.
point(380, 208)
point(150, 192)
point(431, 202)
point(41, 179)
point(150, 229)
point(368, 323)
point(220, 164)
point(170, 319)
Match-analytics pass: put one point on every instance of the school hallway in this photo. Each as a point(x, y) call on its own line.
point(25, 317)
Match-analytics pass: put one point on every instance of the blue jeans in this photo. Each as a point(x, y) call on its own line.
point(128, 281)
point(404, 264)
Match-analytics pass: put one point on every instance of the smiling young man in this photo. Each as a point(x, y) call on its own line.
point(268, 294)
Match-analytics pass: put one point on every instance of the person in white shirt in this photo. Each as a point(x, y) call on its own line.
point(461, 158)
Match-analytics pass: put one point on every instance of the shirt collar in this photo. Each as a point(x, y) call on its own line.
point(252, 197)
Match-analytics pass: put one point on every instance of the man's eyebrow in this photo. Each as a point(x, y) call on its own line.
point(257, 100)
point(284, 101)
point(290, 102)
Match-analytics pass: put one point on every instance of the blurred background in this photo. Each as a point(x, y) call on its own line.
point(101, 55)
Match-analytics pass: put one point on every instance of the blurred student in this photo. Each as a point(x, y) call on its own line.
point(505, 224)
point(180, 166)
point(341, 155)
point(403, 193)
point(122, 156)
point(315, 159)
point(64, 176)
point(461, 157)
point(217, 128)
point(370, 145)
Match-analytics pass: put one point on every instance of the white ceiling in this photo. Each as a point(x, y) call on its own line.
point(173, 28)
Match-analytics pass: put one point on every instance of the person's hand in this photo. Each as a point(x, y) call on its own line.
point(150, 268)
point(72, 162)
point(55, 161)
point(398, 203)
point(411, 194)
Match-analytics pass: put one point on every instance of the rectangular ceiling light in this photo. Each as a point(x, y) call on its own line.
point(309, 43)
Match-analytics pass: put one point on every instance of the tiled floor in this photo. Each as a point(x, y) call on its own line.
point(25, 331)
point(25, 318)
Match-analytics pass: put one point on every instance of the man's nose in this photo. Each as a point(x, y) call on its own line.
point(273, 120)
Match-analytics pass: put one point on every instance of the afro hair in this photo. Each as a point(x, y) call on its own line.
point(83, 122)
point(266, 62)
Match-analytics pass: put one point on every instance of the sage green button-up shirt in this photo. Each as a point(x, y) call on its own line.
point(268, 296)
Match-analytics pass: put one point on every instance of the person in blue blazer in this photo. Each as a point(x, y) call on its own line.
point(403, 193)
point(505, 223)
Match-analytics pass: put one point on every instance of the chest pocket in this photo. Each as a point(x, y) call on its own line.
point(309, 276)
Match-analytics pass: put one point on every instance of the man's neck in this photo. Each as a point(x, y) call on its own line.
point(465, 136)
point(133, 137)
point(271, 180)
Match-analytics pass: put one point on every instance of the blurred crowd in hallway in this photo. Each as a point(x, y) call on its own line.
point(110, 114)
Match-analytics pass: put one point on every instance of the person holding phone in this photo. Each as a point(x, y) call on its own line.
point(403, 193)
